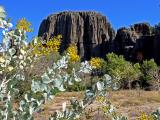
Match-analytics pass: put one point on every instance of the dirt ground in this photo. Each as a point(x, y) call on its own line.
point(130, 103)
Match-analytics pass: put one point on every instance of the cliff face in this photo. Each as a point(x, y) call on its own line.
point(90, 31)
point(94, 36)
point(138, 42)
point(131, 42)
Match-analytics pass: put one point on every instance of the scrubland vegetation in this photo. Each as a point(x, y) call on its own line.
point(32, 74)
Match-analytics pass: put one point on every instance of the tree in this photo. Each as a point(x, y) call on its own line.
point(156, 76)
point(122, 70)
point(148, 68)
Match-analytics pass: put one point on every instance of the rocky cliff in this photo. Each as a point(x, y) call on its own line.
point(138, 42)
point(94, 36)
point(91, 32)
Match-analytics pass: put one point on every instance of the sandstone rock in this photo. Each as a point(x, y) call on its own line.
point(90, 31)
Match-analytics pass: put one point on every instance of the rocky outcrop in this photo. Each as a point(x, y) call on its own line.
point(90, 31)
point(124, 42)
point(94, 36)
point(138, 42)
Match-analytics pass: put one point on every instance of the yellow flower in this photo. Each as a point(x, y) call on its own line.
point(105, 109)
point(51, 45)
point(144, 116)
point(73, 53)
point(96, 62)
point(10, 68)
point(2, 60)
point(23, 24)
point(100, 98)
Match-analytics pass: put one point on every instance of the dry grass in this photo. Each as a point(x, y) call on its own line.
point(133, 96)
point(133, 103)
point(129, 103)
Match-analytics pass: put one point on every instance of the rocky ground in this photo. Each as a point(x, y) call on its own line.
point(129, 103)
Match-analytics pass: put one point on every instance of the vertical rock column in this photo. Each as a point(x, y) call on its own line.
point(90, 31)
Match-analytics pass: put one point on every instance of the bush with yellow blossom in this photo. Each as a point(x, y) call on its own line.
point(73, 53)
point(144, 116)
point(51, 45)
point(23, 24)
point(96, 63)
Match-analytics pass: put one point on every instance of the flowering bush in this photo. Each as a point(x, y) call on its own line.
point(23, 24)
point(50, 46)
point(96, 63)
point(144, 116)
point(73, 53)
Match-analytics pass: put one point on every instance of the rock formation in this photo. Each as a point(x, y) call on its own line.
point(138, 42)
point(90, 31)
point(132, 41)
point(94, 36)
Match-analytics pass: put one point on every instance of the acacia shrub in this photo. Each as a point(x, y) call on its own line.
point(121, 70)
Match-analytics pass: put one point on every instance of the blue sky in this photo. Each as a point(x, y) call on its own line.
point(119, 12)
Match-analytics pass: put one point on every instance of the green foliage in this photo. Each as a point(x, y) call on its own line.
point(76, 87)
point(42, 88)
point(120, 69)
point(115, 65)
point(148, 68)
point(125, 71)
point(156, 114)
point(16, 60)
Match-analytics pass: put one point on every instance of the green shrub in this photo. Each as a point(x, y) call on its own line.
point(148, 68)
point(120, 69)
